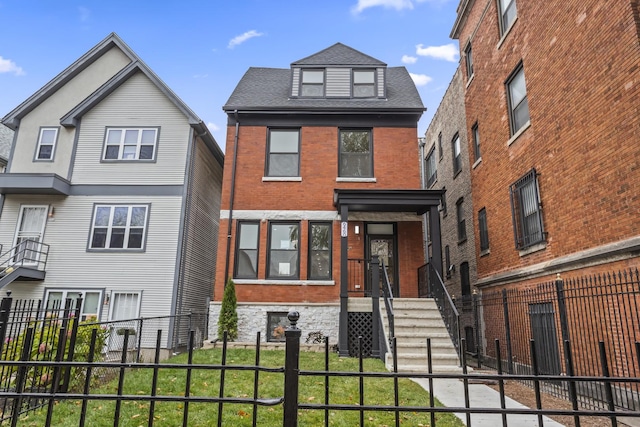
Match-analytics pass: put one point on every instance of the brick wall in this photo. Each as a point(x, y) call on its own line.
point(581, 62)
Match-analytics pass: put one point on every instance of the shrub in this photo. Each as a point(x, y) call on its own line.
point(228, 319)
point(44, 347)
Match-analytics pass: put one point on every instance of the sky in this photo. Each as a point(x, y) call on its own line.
point(201, 49)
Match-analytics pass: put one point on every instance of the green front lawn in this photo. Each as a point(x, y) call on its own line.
point(343, 390)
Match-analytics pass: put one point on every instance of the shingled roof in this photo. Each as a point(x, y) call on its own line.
point(269, 89)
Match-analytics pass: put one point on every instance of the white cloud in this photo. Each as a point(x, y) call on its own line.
point(420, 79)
point(387, 4)
point(200, 76)
point(237, 40)
point(406, 59)
point(213, 127)
point(8, 66)
point(448, 52)
point(85, 13)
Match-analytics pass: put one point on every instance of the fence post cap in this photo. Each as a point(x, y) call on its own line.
point(293, 317)
point(558, 276)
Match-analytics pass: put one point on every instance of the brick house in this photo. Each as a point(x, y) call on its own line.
point(552, 92)
point(322, 174)
point(447, 167)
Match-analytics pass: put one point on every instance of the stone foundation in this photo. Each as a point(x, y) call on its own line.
point(252, 318)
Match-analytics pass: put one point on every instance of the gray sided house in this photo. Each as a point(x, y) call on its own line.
point(112, 193)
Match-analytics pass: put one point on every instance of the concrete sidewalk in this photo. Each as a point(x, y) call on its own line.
point(450, 392)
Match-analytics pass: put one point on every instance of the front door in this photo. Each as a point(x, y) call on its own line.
point(384, 247)
point(29, 232)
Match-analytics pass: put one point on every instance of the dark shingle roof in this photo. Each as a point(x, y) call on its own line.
point(269, 89)
point(339, 54)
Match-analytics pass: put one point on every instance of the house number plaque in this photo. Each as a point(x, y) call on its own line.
point(343, 229)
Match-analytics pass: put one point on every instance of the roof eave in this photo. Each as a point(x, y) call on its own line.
point(462, 13)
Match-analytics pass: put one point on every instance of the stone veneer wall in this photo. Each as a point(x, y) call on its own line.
point(252, 317)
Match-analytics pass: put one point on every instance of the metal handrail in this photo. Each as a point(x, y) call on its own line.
point(388, 303)
point(28, 252)
point(447, 308)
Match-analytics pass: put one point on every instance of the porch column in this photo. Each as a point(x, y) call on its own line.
point(343, 339)
point(436, 239)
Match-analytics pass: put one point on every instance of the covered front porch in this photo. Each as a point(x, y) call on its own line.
point(388, 226)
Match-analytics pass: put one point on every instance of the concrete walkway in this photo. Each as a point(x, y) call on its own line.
point(450, 392)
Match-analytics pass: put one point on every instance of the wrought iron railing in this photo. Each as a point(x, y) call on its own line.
point(447, 308)
point(387, 292)
point(357, 282)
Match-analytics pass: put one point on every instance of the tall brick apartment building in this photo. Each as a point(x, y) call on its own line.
point(553, 93)
point(322, 174)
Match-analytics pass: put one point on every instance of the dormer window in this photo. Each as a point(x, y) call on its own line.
point(363, 84)
point(312, 83)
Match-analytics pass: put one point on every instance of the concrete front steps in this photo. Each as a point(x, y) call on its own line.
point(417, 319)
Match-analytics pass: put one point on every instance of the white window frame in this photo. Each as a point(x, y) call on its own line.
point(122, 146)
point(83, 292)
point(40, 144)
point(127, 227)
point(112, 304)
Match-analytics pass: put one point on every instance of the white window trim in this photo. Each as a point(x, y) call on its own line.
point(83, 291)
point(127, 227)
point(122, 144)
point(112, 305)
point(40, 144)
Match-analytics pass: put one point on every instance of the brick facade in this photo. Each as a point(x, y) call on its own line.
point(581, 62)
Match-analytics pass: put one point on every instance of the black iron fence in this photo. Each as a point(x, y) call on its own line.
point(599, 315)
point(285, 400)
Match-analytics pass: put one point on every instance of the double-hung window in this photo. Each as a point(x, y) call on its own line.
point(484, 230)
point(526, 211)
point(320, 250)
point(462, 223)
point(130, 144)
point(246, 264)
point(284, 250)
point(518, 103)
point(46, 143)
point(508, 13)
point(468, 56)
point(363, 83)
point(89, 309)
point(457, 158)
point(312, 83)
point(475, 134)
point(119, 227)
point(284, 153)
point(356, 154)
point(431, 168)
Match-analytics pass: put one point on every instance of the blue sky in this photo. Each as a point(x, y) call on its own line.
point(201, 49)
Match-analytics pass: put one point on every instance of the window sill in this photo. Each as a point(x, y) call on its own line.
point(485, 252)
point(520, 132)
point(476, 163)
point(506, 33)
point(284, 282)
point(531, 249)
point(470, 80)
point(340, 179)
point(456, 173)
point(461, 241)
point(281, 179)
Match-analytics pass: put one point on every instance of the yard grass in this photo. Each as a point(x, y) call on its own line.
point(343, 390)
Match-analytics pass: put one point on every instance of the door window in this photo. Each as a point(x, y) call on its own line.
point(29, 231)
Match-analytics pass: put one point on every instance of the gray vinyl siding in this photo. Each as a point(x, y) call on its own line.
point(295, 84)
point(381, 84)
point(338, 82)
point(200, 241)
point(136, 103)
point(48, 113)
point(71, 266)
